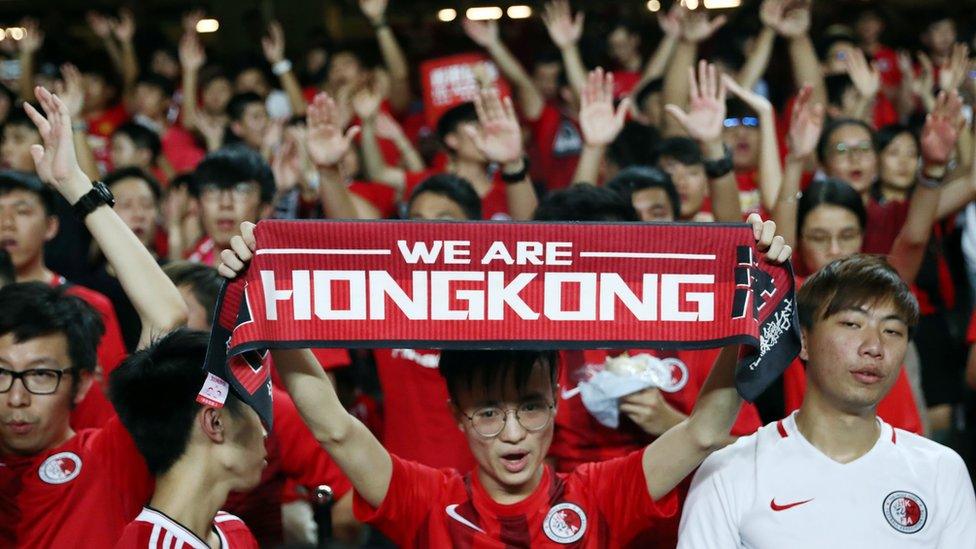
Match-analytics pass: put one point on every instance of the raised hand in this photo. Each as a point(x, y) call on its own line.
point(866, 77)
point(99, 24)
point(124, 28)
point(564, 29)
point(374, 10)
point(498, 135)
point(326, 144)
point(192, 55)
point(697, 27)
point(33, 36)
point(366, 103)
point(771, 13)
point(954, 70)
point(55, 160)
point(273, 44)
point(234, 259)
point(286, 164)
point(483, 33)
point(795, 22)
point(706, 104)
point(650, 411)
point(190, 20)
point(805, 125)
point(670, 22)
point(755, 101)
point(71, 89)
point(598, 120)
point(941, 130)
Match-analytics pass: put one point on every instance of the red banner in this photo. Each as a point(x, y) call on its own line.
point(507, 285)
point(449, 81)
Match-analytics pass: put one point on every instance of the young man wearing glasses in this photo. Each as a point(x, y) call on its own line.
point(504, 403)
point(59, 487)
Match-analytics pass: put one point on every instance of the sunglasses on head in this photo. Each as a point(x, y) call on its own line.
point(746, 121)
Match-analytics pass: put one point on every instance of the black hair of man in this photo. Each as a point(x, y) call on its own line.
point(238, 104)
point(18, 117)
point(682, 149)
point(831, 192)
point(34, 309)
point(452, 118)
point(154, 393)
point(202, 280)
point(634, 146)
point(231, 165)
point(464, 370)
point(158, 81)
point(454, 188)
point(585, 203)
point(638, 178)
point(13, 180)
point(142, 137)
point(133, 172)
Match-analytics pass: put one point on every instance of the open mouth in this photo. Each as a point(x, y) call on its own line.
point(515, 462)
point(7, 243)
point(225, 224)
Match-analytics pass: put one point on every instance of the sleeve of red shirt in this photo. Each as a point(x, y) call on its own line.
point(302, 457)
point(413, 489)
point(619, 489)
point(971, 332)
point(129, 471)
point(137, 534)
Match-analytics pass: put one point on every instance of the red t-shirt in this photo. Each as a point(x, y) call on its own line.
point(100, 130)
point(580, 438)
point(181, 149)
point(749, 197)
point(111, 348)
point(494, 205)
point(293, 454)
point(204, 251)
point(886, 60)
point(884, 222)
point(556, 146)
point(418, 424)
point(597, 505)
point(79, 494)
point(382, 197)
point(971, 331)
point(624, 82)
point(897, 408)
point(154, 530)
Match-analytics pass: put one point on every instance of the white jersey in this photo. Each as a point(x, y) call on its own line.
point(774, 489)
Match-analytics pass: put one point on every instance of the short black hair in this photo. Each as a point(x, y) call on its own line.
point(635, 145)
point(18, 117)
point(135, 173)
point(834, 125)
point(683, 149)
point(585, 203)
point(837, 85)
point(13, 180)
point(827, 41)
point(34, 309)
point(454, 188)
point(203, 281)
point(7, 273)
point(652, 86)
point(239, 103)
point(886, 134)
point(467, 369)
point(737, 108)
point(637, 178)
point(833, 192)
point(452, 118)
point(141, 136)
point(158, 81)
point(231, 165)
point(154, 393)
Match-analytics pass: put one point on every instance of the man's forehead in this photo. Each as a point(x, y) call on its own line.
point(880, 308)
point(19, 195)
point(52, 347)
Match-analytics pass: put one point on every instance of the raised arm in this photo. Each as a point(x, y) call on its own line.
point(770, 171)
point(867, 83)
point(124, 30)
point(155, 298)
point(101, 26)
point(326, 145)
point(676, 453)
point(485, 34)
point(806, 125)
point(393, 56)
point(755, 65)
point(352, 446)
point(366, 104)
point(703, 122)
point(695, 28)
point(28, 45)
point(499, 137)
point(565, 31)
point(938, 140)
point(192, 58)
point(670, 24)
point(273, 45)
point(599, 123)
point(795, 27)
point(72, 92)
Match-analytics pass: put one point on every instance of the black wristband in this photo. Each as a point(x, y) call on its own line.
point(719, 167)
point(380, 24)
point(519, 176)
point(99, 195)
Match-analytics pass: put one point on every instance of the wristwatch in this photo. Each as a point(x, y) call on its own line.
point(519, 176)
point(719, 167)
point(97, 196)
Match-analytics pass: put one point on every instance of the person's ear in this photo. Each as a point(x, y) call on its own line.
point(84, 383)
point(53, 224)
point(235, 128)
point(804, 336)
point(212, 424)
point(265, 212)
point(451, 141)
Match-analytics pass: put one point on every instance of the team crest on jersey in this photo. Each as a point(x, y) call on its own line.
point(905, 512)
point(679, 375)
point(60, 468)
point(565, 523)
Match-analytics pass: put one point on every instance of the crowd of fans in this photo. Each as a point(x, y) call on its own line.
point(867, 150)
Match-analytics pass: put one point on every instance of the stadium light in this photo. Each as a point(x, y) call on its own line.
point(722, 4)
point(653, 5)
point(16, 32)
point(484, 13)
point(690, 4)
point(207, 25)
point(447, 14)
point(520, 11)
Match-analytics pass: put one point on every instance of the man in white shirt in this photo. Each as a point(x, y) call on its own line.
point(833, 475)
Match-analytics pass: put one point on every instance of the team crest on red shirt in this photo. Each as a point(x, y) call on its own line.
point(905, 512)
point(679, 375)
point(565, 523)
point(60, 468)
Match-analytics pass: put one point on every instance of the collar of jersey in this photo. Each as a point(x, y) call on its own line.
point(536, 500)
point(884, 438)
point(148, 513)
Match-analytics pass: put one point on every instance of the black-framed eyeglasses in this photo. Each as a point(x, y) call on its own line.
point(37, 381)
point(532, 416)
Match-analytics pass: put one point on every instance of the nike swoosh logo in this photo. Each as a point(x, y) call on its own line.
point(451, 511)
point(567, 394)
point(776, 507)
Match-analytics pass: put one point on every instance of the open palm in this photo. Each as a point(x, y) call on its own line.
point(326, 143)
point(706, 105)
